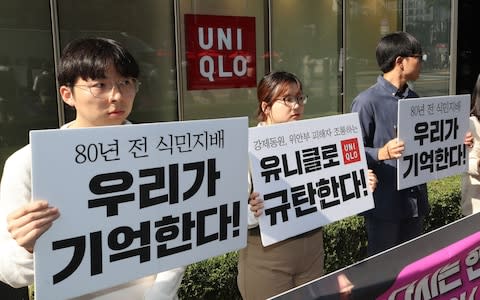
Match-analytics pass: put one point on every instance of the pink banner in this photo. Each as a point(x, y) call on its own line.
point(450, 273)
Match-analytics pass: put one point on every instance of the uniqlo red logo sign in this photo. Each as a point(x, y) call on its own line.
point(220, 52)
point(350, 151)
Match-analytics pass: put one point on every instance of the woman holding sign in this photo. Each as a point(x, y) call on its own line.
point(267, 271)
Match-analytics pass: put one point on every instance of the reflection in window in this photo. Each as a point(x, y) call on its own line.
point(430, 23)
point(306, 41)
point(228, 100)
point(149, 38)
point(27, 80)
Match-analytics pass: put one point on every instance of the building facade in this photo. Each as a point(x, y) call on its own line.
point(202, 58)
point(329, 44)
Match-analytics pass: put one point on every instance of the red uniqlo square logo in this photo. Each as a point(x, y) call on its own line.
point(350, 151)
point(220, 52)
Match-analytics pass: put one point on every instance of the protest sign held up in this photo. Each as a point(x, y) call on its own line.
point(137, 200)
point(433, 129)
point(310, 173)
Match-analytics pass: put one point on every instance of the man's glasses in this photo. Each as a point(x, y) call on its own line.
point(103, 89)
point(419, 56)
point(292, 100)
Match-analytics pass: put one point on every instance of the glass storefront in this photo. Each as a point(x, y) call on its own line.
point(201, 103)
point(365, 23)
point(202, 59)
point(330, 45)
point(306, 39)
point(147, 30)
point(27, 77)
point(431, 24)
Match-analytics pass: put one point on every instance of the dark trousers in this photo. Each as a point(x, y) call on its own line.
point(9, 293)
point(383, 235)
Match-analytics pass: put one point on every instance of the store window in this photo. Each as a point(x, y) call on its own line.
point(330, 45)
point(223, 54)
point(145, 28)
point(27, 80)
point(306, 39)
point(366, 22)
point(431, 24)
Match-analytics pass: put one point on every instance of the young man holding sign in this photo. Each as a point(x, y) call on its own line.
point(398, 215)
point(99, 79)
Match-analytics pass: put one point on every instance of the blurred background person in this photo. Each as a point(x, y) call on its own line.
point(470, 202)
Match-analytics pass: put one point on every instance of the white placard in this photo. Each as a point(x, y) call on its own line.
point(433, 130)
point(136, 200)
point(309, 173)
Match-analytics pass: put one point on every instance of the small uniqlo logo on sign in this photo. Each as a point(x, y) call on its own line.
point(350, 151)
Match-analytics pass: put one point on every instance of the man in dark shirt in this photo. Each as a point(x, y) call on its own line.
point(398, 215)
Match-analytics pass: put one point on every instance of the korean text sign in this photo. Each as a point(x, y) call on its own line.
point(221, 52)
point(309, 173)
point(136, 200)
point(433, 130)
